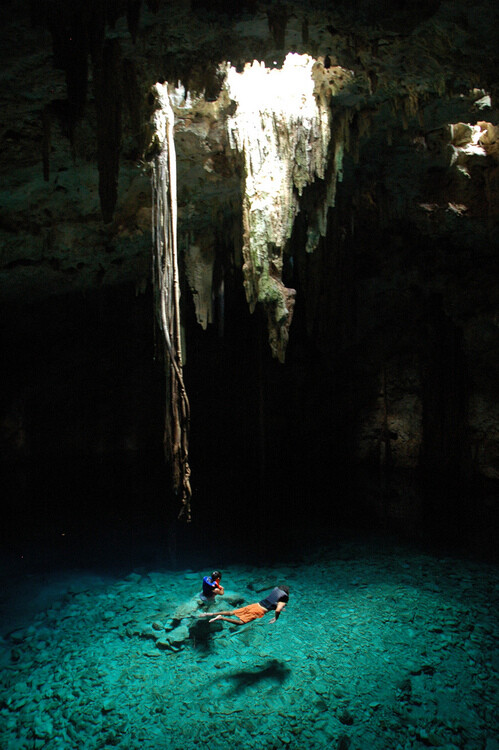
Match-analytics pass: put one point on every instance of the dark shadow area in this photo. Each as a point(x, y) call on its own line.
point(273, 670)
point(274, 473)
point(202, 634)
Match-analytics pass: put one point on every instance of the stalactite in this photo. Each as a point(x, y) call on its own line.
point(113, 9)
point(78, 30)
point(167, 289)
point(70, 48)
point(133, 99)
point(282, 126)
point(199, 271)
point(277, 17)
point(220, 297)
point(133, 17)
point(107, 77)
point(304, 30)
point(46, 125)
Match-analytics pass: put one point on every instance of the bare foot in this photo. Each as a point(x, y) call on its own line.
point(218, 617)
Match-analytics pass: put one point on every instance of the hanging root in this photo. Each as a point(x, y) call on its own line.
point(167, 287)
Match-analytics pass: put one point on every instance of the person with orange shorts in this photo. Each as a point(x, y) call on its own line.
point(276, 601)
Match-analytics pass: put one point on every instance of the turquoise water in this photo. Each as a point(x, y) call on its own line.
point(380, 647)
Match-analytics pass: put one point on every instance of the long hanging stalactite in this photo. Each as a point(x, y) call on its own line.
point(167, 291)
point(282, 127)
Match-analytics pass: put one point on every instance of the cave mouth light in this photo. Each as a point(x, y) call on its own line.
point(282, 128)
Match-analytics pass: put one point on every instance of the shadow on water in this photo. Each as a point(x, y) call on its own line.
point(273, 670)
point(201, 634)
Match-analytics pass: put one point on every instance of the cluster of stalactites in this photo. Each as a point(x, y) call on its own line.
point(167, 291)
point(199, 263)
point(282, 127)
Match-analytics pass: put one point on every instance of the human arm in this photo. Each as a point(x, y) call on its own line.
point(279, 607)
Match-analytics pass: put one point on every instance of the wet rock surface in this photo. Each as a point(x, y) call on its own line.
point(378, 647)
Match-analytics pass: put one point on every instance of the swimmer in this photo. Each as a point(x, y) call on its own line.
point(211, 587)
point(276, 600)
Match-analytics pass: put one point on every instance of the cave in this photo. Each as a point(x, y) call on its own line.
point(249, 304)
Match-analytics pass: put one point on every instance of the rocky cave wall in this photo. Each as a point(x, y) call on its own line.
point(389, 390)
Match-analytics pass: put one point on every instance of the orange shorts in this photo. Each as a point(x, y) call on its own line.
point(250, 612)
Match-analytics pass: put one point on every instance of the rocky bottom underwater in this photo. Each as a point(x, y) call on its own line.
point(379, 648)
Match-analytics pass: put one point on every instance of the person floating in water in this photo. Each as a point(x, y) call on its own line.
point(211, 587)
point(276, 600)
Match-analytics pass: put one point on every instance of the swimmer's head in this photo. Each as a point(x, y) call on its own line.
point(216, 575)
point(285, 589)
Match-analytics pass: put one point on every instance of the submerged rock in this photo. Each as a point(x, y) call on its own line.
point(345, 717)
point(175, 639)
point(187, 609)
point(178, 636)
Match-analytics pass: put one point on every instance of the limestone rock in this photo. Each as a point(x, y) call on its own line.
point(178, 635)
point(187, 609)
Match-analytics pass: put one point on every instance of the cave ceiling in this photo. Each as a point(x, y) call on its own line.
point(75, 210)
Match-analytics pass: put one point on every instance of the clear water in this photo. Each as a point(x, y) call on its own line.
point(381, 646)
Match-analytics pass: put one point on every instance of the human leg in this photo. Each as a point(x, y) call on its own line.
point(211, 614)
